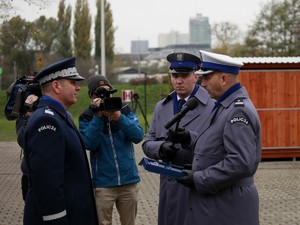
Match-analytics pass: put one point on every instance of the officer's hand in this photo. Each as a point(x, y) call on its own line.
point(187, 166)
point(187, 180)
point(181, 136)
point(167, 151)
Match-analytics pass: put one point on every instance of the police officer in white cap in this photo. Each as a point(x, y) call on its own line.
point(60, 189)
point(158, 144)
point(227, 153)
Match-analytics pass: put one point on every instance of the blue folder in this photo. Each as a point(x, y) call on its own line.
point(162, 168)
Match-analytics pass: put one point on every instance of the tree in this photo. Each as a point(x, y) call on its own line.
point(275, 31)
point(15, 37)
point(63, 45)
point(44, 32)
point(227, 38)
point(7, 8)
point(109, 34)
point(82, 29)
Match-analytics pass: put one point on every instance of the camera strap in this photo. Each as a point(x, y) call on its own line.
point(17, 106)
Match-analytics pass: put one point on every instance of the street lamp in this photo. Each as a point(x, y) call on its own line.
point(103, 72)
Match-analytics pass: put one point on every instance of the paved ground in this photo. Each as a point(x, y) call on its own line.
point(278, 184)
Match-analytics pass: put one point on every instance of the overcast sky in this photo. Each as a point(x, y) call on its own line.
point(145, 19)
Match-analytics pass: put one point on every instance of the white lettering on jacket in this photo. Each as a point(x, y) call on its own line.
point(47, 127)
point(239, 119)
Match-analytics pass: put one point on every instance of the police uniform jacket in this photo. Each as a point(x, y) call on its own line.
point(173, 196)
point(60, 190)
point(226, 156)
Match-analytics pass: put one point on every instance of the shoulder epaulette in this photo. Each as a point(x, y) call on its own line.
point(239, 102)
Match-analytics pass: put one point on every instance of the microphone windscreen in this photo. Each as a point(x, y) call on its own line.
point(191, 103)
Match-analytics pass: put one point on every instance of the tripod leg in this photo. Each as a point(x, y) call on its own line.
point(145, 119)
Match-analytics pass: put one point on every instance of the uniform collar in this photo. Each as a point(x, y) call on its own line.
point(53, 104)
point(226, 94)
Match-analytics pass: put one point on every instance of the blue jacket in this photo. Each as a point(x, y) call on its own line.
point(61, 190)
point(111, 147)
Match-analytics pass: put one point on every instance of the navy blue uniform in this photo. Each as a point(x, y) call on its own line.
point(60, 186)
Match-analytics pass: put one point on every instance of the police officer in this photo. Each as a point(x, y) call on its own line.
point(60, 189)
point(227, 153)
point(158, 143)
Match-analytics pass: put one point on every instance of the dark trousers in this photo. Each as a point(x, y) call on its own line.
point(24, 185)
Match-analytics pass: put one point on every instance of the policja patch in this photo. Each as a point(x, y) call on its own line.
point(239, 119)
point(47, 127)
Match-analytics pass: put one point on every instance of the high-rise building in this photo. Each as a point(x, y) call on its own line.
point(172, 38)
point(139, 46)
point(200, 32)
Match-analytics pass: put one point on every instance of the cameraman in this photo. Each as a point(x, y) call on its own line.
point(109, 136)
point(28, 108)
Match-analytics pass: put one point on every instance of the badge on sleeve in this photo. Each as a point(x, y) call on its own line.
point(47, 127)
point(239, 119)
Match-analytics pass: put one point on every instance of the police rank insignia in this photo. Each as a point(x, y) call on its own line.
point(179, 57)
point(239, 103)
point(239, 119)
point(49, 111)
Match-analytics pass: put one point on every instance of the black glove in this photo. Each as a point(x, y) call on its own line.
point(187, 180)
point(181, 136)
point(187, 166)
point(167, 151)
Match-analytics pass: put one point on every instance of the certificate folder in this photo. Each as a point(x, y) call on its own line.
point(162, 168)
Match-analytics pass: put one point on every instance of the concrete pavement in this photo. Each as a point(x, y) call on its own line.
point(278, 184)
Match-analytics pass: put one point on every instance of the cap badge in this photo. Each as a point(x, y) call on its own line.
point(179, 57)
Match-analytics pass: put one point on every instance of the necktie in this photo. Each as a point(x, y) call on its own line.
point(180, 103)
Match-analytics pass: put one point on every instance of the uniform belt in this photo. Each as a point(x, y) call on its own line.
point(245, 181)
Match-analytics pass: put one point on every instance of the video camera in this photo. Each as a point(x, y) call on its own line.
point(17, 93)
point(111, 104)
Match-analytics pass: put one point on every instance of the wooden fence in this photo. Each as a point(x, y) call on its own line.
point(276, 95)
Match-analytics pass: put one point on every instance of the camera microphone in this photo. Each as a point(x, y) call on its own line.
point(189, 105)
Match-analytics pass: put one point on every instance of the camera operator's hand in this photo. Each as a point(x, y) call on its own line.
point(29, 102)
point(167, 151)
point(96, 104)
point(188, 179)
point(181, 136)
point(115, 116)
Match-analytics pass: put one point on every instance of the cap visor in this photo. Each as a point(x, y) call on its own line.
point(77, 77)
point(204, 72)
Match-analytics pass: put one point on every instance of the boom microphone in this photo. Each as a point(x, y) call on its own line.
point(189, 105)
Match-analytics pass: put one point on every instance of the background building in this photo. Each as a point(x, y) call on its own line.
point(200, 32)
point(172, 38)
point(139, 46)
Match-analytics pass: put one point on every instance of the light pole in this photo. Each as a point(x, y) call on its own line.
point(103, 72)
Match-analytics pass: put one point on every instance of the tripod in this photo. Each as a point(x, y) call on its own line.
point(136, 103)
